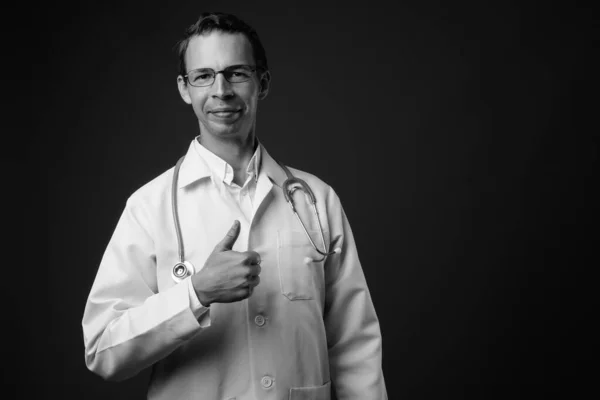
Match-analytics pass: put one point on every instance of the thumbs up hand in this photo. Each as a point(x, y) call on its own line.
point(227, 275)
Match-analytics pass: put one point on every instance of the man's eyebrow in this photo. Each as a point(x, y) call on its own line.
point(228, 68)
point(237, 66)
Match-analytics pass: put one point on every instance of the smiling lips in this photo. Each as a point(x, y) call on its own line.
point(224, 112)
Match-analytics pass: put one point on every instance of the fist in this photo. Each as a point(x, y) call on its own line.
point(227, 275)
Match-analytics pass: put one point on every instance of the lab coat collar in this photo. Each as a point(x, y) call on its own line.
point(193, 168)
point(270, 167)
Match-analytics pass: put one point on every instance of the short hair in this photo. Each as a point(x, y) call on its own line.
point(222, 22)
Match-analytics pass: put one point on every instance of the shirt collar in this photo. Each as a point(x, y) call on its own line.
point(220, 169)
point(199, 163)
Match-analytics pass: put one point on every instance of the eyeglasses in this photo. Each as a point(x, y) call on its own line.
point(233, 74)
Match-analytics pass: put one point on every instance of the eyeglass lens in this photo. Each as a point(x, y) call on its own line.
point(206, 76)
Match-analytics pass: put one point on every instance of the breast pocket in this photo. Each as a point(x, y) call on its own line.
point(311, 393)
point(299, 277)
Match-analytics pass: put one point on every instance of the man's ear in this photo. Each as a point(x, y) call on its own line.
point(265, 83)
point(183, 89)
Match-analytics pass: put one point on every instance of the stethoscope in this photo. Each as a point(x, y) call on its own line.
point(184, 268)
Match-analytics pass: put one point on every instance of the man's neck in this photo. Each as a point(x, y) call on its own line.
point(237, 153)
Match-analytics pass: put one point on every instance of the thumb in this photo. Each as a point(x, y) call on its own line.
point(230, 237)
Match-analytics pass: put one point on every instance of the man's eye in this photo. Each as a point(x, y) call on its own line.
point(240, 74)
point(202, 77)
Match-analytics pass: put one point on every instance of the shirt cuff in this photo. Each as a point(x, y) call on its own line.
point(201, 312)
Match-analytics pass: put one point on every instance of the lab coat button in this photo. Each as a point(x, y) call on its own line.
point(266, 381)
point(259, 320)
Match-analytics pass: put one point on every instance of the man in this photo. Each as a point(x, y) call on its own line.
point(262, 315)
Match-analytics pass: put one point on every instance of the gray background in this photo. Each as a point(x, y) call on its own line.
point(460, 137)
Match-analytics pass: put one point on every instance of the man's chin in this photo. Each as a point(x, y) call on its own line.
point(226, 130)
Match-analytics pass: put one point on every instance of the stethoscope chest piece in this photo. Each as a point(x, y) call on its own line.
point(182, 270)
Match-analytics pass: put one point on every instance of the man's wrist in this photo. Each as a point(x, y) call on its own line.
point(203, 299)
point(200, 295)
point(196, 303)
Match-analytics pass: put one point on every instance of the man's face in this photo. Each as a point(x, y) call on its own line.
point(224, 109)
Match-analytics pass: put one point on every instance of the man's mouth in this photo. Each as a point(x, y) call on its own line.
point(224, 112)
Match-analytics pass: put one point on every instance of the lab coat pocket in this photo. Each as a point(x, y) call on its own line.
point(311, 393)
point(299, 279)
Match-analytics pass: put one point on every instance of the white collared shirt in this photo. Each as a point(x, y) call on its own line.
point(222, 175)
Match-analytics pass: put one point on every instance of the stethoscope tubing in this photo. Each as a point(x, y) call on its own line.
point(183, 268)
point(175, 210)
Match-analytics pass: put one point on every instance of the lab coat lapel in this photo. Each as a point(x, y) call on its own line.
point(270, 173)
point(271, 168)
point(193, 168)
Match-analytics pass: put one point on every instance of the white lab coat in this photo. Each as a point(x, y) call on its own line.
point(305, 328)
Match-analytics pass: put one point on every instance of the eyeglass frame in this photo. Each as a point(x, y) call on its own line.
point(252, 68)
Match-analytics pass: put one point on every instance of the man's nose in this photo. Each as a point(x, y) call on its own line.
point(221, 87)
